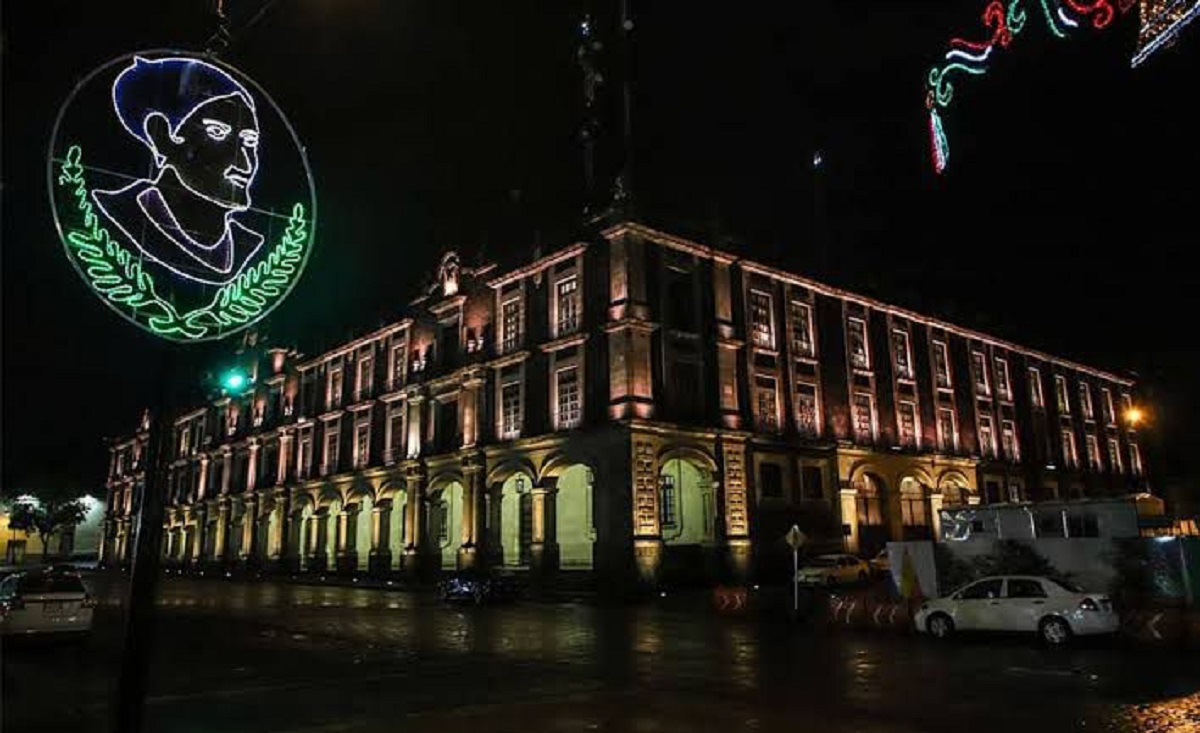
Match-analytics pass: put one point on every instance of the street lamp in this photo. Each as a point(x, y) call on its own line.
point(1134, 416)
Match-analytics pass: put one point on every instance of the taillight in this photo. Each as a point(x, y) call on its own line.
point(88, 602)
point(1087, 604)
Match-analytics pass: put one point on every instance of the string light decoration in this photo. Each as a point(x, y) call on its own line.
point(170, 219)
point(1162, 20)
point(1003, 23)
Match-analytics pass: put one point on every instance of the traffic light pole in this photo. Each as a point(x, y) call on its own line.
point(139, 618)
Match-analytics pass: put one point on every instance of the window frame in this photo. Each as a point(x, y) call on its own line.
point(874, 416)
point(804, 316)
point(560, 422)
point(979, 373)
point(907, 372)
point(1003, 379)
point(941, 366)
point(1037, 397)
point(574, 297)
point(774, 423)
point(755, 331)
point(851, 322)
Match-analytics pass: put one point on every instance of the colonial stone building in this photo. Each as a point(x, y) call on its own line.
point(640, 406)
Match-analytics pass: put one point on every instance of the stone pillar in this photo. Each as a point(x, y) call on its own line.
point(543, 545)
point(739, 548)
point(347, 552)
point(252, 467)
point(221, 543)
point(319, 531)
point(848, 501)
point(201, 523)
point(202, 492)
point(249, 528)
point(470, 554)
point(647, 530)
point(419, 561)
point(380, 559)
point(226, 470)
point(935, 517)
point(285, 453)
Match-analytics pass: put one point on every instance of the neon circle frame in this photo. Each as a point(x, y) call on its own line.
point(114, 273)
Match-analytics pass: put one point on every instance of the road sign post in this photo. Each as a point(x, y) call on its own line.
point(795, 539)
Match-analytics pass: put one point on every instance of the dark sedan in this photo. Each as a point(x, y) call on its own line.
point(478, 587)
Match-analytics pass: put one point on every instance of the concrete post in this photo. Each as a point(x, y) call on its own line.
point(935, 515)
point(848, 502)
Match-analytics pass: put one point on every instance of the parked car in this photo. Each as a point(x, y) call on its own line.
point(45, 602)
point(831, 570)
point(479, 587)
point(880, 564)
point(1052, 609)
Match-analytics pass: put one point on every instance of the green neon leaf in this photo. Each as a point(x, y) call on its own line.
point(117, 274)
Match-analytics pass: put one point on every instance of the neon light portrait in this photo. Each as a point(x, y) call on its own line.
point(200, 128)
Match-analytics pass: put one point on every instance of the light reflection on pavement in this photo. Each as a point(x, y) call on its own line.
point(230, 655)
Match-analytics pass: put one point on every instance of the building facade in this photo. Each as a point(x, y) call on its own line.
point(640, 406)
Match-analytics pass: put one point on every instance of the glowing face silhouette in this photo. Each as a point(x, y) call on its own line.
point(214, 150)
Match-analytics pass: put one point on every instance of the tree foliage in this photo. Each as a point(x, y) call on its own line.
point(46, 517)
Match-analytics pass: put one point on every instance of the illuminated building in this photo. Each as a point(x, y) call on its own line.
point(641, 406)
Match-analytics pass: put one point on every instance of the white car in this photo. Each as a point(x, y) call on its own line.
point(45, 602)
point(830, 570)
point(1054, 610)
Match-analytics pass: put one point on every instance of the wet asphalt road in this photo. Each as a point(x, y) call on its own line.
point(234, 657)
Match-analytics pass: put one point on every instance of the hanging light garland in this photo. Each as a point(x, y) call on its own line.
point(1003, 22)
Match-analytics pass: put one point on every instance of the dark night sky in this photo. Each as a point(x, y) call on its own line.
point(1058, 224)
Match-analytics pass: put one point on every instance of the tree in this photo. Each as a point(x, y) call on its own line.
point(45, 518)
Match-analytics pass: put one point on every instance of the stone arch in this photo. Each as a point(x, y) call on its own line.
point(695, 455)
point(872, 496)
point(912, 497)
point(687, 501)
point(574, 515)
point(503, 470)
point(955, 487)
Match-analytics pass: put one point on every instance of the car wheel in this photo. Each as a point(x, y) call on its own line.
point(940, 626)
point(1054, 631)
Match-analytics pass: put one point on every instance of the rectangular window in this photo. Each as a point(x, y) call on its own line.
point(1070, 458)
point(1085, 402)
point(1035, 388)
point(1114, 455)
point(1135, 458)
point(864, 417)
point(860, 352)
point(1093, 452)
point(185, 439)
point(366, 375)
point(770, 481)
point(569, 412)
point(762, 326)
point(1106, 404)
point(947, 429)
point(448, 342)
point(979, 370)
point(987, 437)
point(667, 503)
point(1126, 405)
point(1008, 440)
point(907, 420)
point(330, 464)
point(806, 409)
point(362, 444)
point(941, 365)
point(333, 393)
point(304, 455)
point(1003, 385)
point(510, 411)
point(510, 325)
point(1060, 394)
point(396, 369)
point(766, 404)
point(802, 339)
point(396, 434)
point(568, 306)
point(903, 354)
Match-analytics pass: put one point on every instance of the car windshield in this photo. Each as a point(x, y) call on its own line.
point(822, 562)
point(51, 583)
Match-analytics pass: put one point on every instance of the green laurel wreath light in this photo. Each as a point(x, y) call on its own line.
point(118, 275)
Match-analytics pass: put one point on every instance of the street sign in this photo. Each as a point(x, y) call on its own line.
point(795, 538)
